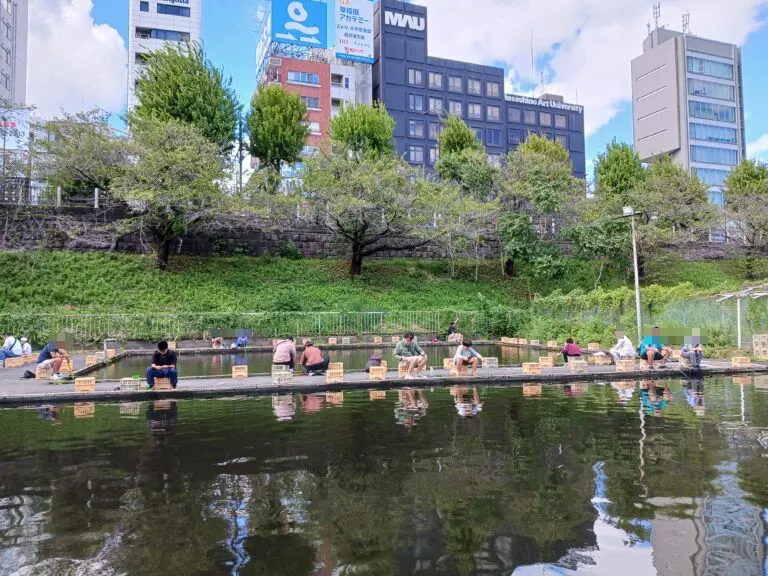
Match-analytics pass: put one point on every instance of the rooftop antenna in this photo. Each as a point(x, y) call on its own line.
point(656, 14)
point(686, 23)
point(533, 68)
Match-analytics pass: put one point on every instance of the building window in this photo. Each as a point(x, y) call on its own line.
point(144, 6)
point(415, 77)
point(513, 136)
point(435, 105)
point(416, 154)
point(170, 35)
point(712, 155)
point(709, 111)
point(434, 128)
point(561, 121)
point(474, 87)
point(493, 113)
point(711, 90)
point(416, 102)
point(456, 108)
point(529, 116)
point(709, 133)
point(545, 119)
point(434, 154)
point(337, 80)
point(717, 198)
point(295, 77)
point(563, 140)
point(346, 83)
point(314, 128)
point(311, 103)
point(415, 128)
point(141, 58)
point(173, 10)
point(493, 136)
point(492, 89)
point(706, 67)
point(514, 115)
point(475, 111)
point(711, 176)
point(436, 80)
point(455, 84)
point(478, 133)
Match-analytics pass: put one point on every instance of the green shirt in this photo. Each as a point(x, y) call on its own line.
point(408, 350)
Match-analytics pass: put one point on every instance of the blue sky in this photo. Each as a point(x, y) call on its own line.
point(229, 37)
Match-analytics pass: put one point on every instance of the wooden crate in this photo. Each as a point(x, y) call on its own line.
point(332, 341)
point(384, 364)
point(29, 359)
point(111, 352)
point(162, 384)
point(377, 373)
point(552, 344)
point(447, 363)
point(532, 390)
point(377, 395)
point(346, 341)
point(378, 340)
point(401, 369)
point(282, 377)
point(67, 366)
point(130, 384)
point(85, 410)
point(85, 385)
point(512, 341)
point(534, 342)
point(601, 360)
point(130, 409)
point(100, 355)
point(506, 340)
point(740, 362)
point(531, 368)
point(172, 345)
point(578, 366)
point(490, 362)
point(522, 342)
point(742, 380)
point(334, 375)
point(626, 365)
point(593, 346)
point(458, 370)
point(546, 361)
point(395, 339)
point(334, 398)
point(240, 372)
point(336, 366)
point(91, 360)
point(43, 373)
point(14, 362)
point(162, 405)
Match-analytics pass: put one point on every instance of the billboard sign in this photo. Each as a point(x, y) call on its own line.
point(302, 22)
point(354, 30)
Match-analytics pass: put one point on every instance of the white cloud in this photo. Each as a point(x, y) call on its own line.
point(590, 43)
point(74, 64)
point(758, 148)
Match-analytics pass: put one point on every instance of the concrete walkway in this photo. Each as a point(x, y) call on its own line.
point(16, 391)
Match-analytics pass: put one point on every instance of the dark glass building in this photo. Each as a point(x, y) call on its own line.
point(418, 89)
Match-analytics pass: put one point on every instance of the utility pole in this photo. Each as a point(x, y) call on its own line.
point(240, 155)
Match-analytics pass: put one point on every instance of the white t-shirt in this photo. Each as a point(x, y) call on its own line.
point(12, 345)
point(26, 348)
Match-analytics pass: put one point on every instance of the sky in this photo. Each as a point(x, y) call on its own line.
point(583, 49)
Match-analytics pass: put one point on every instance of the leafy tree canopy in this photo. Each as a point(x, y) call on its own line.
point(364, 129)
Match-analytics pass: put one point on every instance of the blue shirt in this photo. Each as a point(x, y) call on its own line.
point(650, 342)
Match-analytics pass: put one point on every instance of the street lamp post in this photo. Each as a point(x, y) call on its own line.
point(629, 212)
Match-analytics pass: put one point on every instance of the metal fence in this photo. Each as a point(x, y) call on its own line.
point(22, 192)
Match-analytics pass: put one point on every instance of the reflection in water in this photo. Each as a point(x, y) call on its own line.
point(498, 481)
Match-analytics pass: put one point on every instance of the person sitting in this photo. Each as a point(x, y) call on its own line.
point(217, 342)
point(652, 348)
point(52, 357)
point(163, 365)
point(467, 356)
point(408, 351)
point(11, 348)
point(570, 350)
point(693, 354)
point(241, 342)
point(284, 353)
point(313, 360)
point(374, 360)
point(623, 347)
point(26, 347)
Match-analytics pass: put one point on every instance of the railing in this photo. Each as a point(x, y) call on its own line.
point(22, 193)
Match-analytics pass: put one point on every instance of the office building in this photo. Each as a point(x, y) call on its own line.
point(687, 102)
point(14, 16)
point(418, 90)
point(151, 23)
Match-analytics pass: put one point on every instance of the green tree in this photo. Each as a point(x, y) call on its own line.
point(457, 136)
point(518, 239)
point(746, 201)
point(277, 126)
point(618, 171)
point(372, 203)
point(364, 129)
point(543, 146)
point(173, 182)
point(178, 82)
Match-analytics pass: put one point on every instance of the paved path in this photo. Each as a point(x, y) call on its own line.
point(15, 391)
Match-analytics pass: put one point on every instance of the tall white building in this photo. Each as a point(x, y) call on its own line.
point(687, 102)
point(151, 23)
point(14, 28)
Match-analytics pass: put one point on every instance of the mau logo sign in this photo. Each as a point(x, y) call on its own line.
point(404, 20)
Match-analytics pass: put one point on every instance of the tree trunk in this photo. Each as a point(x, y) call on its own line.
point(751, 261)
point(509, 267)
point(599, 274)
point(163, 253)
point(356, 265)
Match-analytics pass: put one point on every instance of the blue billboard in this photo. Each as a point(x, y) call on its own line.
point(302, 22)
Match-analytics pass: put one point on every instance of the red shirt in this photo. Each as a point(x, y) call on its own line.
point(572, 350)
point(311, 356)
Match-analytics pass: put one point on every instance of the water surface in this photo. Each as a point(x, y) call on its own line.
point(626, 478)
